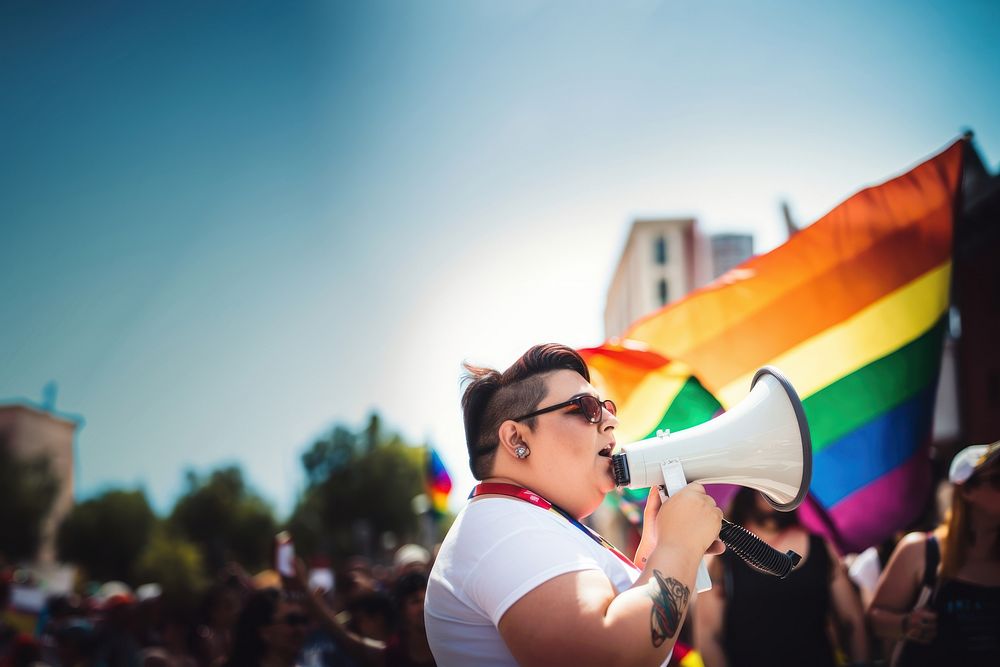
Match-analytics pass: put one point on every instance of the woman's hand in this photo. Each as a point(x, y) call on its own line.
point(690, 519)
point(649, 539)
point(920, 625)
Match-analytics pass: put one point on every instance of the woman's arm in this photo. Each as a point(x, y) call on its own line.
point(578, 618)
point(368, 651)
point(708, 615)
point(848, 610)
point(891, 612)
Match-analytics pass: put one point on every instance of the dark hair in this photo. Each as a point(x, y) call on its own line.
point(374, 603)
point(76, 635)
point(248, 646)
point(215, 594)
point(6, 577)
point(743, 507)
point(492, 397)
point(407, 585)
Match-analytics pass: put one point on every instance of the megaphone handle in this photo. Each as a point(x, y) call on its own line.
point(673, 481)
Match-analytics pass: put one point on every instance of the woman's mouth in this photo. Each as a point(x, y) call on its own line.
point(606, 452)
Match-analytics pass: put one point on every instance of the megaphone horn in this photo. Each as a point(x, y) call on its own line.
point(762, 442)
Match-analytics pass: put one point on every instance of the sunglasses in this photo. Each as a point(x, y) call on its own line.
point(590, 407)
point(293, 620)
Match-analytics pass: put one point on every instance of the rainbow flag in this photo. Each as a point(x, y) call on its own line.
point(642, 382)
point(853, 311)
point(685, 656)
point(438, 482)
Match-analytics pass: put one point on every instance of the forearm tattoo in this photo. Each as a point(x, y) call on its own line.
point(670, 598)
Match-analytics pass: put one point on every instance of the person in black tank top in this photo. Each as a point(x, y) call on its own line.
point(751, 619)
point(753, 633)
point(939, 596)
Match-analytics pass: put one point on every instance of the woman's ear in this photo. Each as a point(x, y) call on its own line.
point(511, 437)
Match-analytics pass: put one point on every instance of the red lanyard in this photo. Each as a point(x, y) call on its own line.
point(521, 493)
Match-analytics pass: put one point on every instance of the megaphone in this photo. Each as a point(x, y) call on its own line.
point(762, 442)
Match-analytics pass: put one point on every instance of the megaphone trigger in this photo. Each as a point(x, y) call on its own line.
point(674, 481)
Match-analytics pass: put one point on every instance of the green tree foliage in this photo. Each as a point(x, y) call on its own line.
point(106, 534)
point(359, 485)
point(27, 491)
point(225, 519)
point(174, 563)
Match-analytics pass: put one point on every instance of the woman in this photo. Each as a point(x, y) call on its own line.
point(171, 648)
point(939, 596)
point(214, 636)
point(750, 618)
point(518, 579)
point(270, 631)
point(405, 646)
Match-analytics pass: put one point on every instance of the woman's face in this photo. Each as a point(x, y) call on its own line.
point(569, 454)
point(287, 630)
point(412, 610)
point(225, 610)
point(766, 516)
point(983, 491)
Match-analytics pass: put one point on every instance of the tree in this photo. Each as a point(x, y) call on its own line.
point(225, 519)
point(27, 490)
point(359, 485)
point(106, 534)
point(174, 563)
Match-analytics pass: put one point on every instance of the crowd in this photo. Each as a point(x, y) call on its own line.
point(372, 616)
point(929, 597)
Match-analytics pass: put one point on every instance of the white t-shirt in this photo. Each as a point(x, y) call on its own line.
point(498, 550)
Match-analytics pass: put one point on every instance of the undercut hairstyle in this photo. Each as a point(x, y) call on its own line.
point(492, 397)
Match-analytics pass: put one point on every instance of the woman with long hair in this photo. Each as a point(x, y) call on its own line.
point(213, 636)
point(939, 596)
point(269, 632)
point(750, 618)
point(408, 647)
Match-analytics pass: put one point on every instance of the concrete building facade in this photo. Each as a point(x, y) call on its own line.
point(30, 433)
point(663, 260)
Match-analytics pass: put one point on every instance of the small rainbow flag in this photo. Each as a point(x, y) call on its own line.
point(853, 311)
point(438, 482)
point(685, 656)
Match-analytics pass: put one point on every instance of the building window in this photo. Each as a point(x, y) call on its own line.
point(661, 250)
point(664, 292)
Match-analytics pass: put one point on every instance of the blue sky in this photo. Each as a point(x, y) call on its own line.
point(228, 225)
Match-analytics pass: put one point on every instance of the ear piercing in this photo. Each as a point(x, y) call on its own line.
point(521, 452)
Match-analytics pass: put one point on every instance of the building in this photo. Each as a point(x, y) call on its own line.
point(31, 432)
point(664, 259)
point(730, 250)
